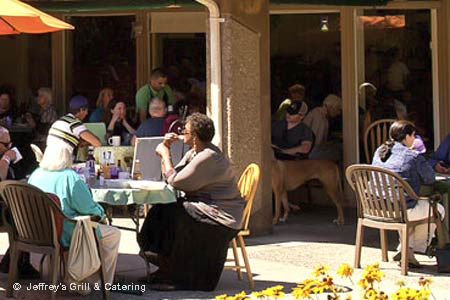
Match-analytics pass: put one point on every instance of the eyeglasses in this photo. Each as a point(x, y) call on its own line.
point(7, 145)
point(185, 132)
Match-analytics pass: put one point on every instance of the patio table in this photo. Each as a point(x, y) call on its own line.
point(121, 194)
point(441, 186)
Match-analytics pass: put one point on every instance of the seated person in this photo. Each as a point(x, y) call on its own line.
point(152, 126)
point(47, 115)
point(26, 269)
point(71, 128)
point(116, 122)
point(7, 112)
point(296, 93)
point(104, 97)
point(318, 120)
point(291, 138)
point(387, 107)
point(396, 155)
point(440, 159)
point(56, 176)
point(189, 239)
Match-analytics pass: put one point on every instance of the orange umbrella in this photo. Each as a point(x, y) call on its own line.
point(18, 17)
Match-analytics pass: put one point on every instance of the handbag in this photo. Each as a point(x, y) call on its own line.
point(443, 259)
point(441, 251)
point(83, 260)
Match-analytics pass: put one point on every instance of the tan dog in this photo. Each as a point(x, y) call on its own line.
point(287, 175)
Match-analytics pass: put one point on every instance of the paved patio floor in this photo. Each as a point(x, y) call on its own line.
point(282, 258)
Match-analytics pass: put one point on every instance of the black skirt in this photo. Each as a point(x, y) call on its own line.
point(197, 247)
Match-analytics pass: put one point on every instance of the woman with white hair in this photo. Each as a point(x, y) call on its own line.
point(47, 115)
point(318, 120)
point(56, 176)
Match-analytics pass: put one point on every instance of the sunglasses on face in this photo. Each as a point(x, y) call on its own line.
point(7, 145)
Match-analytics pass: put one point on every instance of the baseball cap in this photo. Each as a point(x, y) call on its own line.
point(78, 102)
point(297, 107)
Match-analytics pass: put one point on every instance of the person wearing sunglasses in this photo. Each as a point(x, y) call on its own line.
point(291, 138)
point(7, 157)
point(189, 239)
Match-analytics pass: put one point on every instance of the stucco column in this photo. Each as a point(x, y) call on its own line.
point(245, 94)
point(443, 68)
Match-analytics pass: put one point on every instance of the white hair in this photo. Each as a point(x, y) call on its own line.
point(57, 156)
point(48, 92)
point(333, 102)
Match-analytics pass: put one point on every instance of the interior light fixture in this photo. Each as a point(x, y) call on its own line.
point(174, 5)
point(324, 23)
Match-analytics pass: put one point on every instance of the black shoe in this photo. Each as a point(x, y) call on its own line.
point(150, 257)
point(397, 256)
point(27, 271)
point(162, 287)
point(4, 265)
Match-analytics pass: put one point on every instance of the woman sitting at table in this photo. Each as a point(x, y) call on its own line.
point(56, 176)
point(117, 123)
point(104, 97)
point(397, 154)
point(189, 239)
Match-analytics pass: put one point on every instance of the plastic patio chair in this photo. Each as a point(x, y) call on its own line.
point(375, 135)
point(37, 152)
point(34, 218)
point(381, 204)
point(248, 183)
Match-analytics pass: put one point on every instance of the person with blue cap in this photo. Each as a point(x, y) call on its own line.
point(70, 128)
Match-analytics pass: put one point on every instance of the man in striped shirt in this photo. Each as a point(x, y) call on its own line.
point(70, 127)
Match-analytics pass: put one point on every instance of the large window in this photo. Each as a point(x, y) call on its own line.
point(398, 64)
point(104, 55)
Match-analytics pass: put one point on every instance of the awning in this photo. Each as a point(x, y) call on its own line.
point(101, 5)
point(333, 2)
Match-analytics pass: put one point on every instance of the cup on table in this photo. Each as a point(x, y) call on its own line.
point(124, 175)
point(114, 140)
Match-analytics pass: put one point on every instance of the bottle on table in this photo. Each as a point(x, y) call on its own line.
point(90, 166)
point(137, 174)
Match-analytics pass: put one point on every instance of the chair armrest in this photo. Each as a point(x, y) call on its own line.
point(422, 198)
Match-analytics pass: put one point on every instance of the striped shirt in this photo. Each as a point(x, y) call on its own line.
point(68, 128)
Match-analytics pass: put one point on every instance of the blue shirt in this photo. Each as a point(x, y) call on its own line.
point(97, 115)
point(442, 153)
point(150, 127)
point(75, 196)
point(410, 165)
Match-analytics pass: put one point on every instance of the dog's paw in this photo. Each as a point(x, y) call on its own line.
point(338, 222)
point(283, 219)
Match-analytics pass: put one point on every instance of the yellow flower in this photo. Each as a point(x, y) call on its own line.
point(320, 269)
point(301, 293)
point(345, 270)
point(271, 292)
point(400, 283)
point(425, 282)
point(239, 296)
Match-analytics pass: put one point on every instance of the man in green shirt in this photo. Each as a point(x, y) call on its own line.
point(156, 88)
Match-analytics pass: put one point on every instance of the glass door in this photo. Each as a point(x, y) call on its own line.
point(397, 69)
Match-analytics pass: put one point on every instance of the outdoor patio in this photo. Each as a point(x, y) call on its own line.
point(282, 258)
